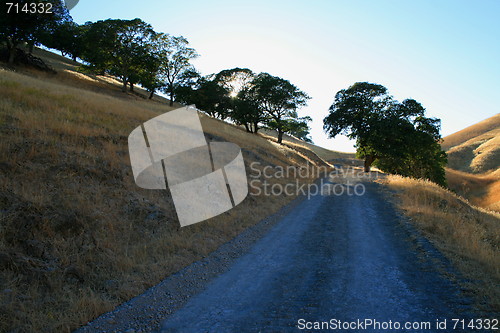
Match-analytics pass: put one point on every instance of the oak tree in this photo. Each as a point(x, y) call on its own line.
point(278, 100)
point(396, 136)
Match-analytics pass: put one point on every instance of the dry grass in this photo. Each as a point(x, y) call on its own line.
point(475, 149)
point(77, 236)
point(482, 190)
point(474, 163)
point(478, 155)
point(323, 153)
point(471, 132)
point(468, 235)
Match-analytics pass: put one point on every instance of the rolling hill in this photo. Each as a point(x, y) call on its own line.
point(77, 235)
point(475, 149)
point(474, 162)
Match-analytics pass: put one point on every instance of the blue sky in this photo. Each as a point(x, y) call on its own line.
point(445, 54)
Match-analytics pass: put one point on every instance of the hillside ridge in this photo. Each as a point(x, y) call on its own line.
point(474, 163)
point(78, 236)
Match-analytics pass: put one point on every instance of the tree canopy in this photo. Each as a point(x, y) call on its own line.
point(278, 100)
point(396, 136)
point(251, 100)
point(19, 23)
point(173, 55)
point(66, 37)
point(136, 54)
point(120, 47)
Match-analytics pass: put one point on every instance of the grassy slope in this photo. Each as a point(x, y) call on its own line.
point(472, 131)
point(474, 162)
point(77, 236)
point(468, 235)
point(456, 222)
point(475, 149)
point(325, 154)
point(482, 190)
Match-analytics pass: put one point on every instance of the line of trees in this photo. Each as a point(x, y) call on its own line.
point(248, 99)
point(21, 25)
point(128, 49)
point(136, 54)
point(132, 51)
point(396, 136)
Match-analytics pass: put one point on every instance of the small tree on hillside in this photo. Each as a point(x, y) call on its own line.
point(278, 100)
point(225, 95)
point(242, 107)
point(119, 47)
point(299, 128)
point(234, 80)
point(212, 98)
point(186, 85)
point(246, 110)
point(296, 127)
point(174, 56)
point(397, 136)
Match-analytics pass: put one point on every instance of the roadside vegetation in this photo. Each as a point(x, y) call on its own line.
point(463, 220)
point(465, 233)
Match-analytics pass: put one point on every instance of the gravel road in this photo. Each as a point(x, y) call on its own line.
point(327, 259)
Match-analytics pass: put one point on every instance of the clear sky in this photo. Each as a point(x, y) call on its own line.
point(444, 54)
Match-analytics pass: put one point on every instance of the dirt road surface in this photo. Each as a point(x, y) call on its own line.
point(332, 258)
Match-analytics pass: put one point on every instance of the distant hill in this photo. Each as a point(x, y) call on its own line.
point(475, 149)
point(474, 163)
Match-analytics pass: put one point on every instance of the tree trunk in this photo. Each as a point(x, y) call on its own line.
point(280, 136)
point(255, 126)
point(12, 55)
point(152, 93)
point(11, 47)
point(131, 86)
point(172, 97)
point(369, 159)
point(124, 86)
point(247, 128)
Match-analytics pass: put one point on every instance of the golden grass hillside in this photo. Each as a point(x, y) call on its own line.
point(323, 153)
point(77, 236)
point(482, 190)
point(470, 132)
point(468, 235)
point(474, 163)
point(475, 149)
point(70, 74)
